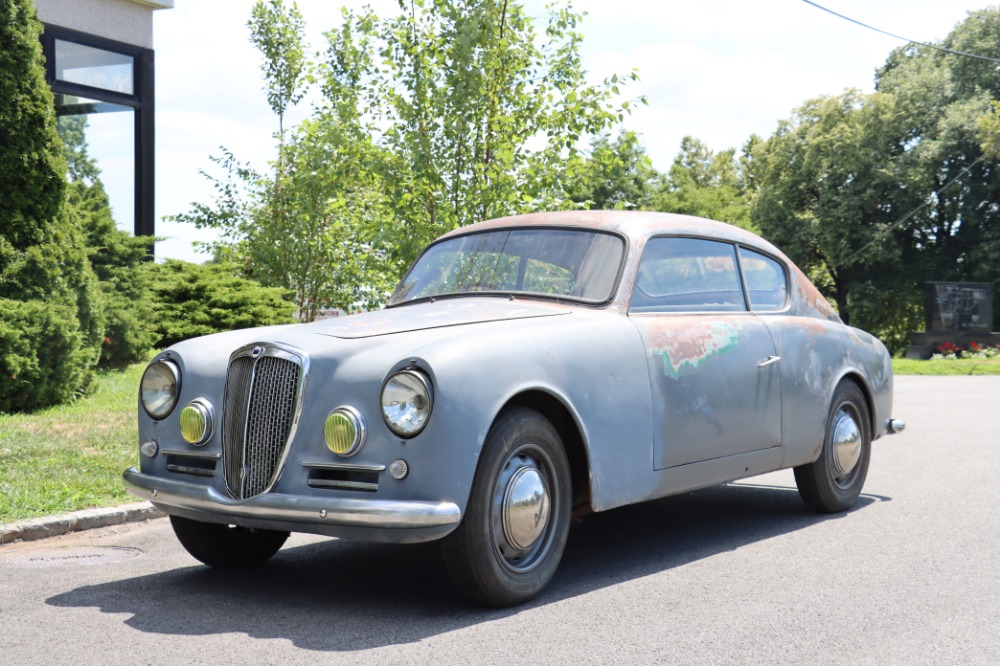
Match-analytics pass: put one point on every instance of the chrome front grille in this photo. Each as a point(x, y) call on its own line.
point(263, 393)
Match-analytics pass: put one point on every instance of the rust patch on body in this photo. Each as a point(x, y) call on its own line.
point(685, 348)
point(813, 303)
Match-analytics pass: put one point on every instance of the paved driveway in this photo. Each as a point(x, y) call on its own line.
point(737, 574)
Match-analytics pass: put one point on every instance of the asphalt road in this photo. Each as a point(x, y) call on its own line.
point(737, 574)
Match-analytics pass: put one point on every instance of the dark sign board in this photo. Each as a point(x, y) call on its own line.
point(959, 306)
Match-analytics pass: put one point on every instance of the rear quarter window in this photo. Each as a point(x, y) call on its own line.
point(766, 279)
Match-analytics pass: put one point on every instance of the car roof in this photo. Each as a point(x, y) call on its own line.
point(639, 226)
point(636, 225)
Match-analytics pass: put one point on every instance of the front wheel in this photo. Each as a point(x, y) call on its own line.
point(510, 541)
point(833, 483)
point(227, 546)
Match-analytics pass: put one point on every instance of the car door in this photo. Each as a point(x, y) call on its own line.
point(712, 363)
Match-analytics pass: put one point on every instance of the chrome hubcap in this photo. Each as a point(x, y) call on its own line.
point(525, 508)
point(521, 511)
point(846, 443)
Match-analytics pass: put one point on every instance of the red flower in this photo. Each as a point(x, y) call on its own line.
point(949, 348)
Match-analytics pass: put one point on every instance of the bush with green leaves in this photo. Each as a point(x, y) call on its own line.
point(39, 344)
point(51, 321)
point(199, 299)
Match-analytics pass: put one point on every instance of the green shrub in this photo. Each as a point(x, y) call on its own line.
point(119, 261)
point(39, 348)
point(198, 299)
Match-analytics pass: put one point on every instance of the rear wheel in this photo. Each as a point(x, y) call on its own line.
point(227, 546)
point(509, 543)
point(834, 481)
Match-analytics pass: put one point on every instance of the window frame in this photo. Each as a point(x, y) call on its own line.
point(746, 287)
point(141, 101)
point(615, 286)
point(736, 246)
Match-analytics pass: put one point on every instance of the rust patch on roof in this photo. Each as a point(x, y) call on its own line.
point(637, 225)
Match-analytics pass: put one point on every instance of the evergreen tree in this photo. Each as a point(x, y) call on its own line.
point(50, 315)
point(117, 257)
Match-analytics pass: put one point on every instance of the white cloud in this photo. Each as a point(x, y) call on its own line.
point(721, 70)
point(716, 69)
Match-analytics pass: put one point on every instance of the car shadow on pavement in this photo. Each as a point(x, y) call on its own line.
point(343, 596)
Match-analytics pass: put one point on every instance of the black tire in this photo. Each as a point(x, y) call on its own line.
point(832, 484)
point(502, 557)
point(227, 546)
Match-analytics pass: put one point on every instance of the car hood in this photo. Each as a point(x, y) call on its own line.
point(439, 314)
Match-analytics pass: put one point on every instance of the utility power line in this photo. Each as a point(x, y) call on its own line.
point(905, 39)
point(883, 232)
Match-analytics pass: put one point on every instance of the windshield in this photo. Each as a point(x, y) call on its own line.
point(574, 264)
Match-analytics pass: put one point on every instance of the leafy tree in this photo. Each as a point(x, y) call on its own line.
point(477, 112)
point(312, 225)
point(705, 183)
point(830, 197)
point(278, 35)
point(615, 175)
point(878, 194)
point(989, 132)
point(947, 100)
point(445, 114)
point(51, 323)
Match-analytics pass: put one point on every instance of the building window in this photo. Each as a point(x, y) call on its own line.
point(97, 68)
point(104, 105)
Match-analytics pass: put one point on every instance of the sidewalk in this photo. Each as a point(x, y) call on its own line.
point(49, 526)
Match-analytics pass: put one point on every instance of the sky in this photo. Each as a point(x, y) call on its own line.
point(719, 70)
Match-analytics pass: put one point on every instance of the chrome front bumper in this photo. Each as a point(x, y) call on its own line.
point(308, 514)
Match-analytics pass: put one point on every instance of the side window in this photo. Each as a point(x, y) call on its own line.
point(687, 275)
point(767, 282)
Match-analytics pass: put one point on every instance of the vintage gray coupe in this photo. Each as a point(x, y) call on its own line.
point(526, 370)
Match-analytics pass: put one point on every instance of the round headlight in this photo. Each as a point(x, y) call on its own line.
point(344, 431)
point(159, 388)
point(407, 402)
point(196, 422)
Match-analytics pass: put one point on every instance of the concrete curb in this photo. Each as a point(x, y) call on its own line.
point(42, 528)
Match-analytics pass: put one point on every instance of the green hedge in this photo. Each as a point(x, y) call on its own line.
point(199, 299)
point(40, 349)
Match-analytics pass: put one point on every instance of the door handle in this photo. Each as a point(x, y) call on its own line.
point(770, 360)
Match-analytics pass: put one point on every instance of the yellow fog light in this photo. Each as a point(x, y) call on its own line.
point(344, 431)
point(196, 422)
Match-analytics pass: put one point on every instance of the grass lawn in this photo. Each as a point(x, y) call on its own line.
point(963, 366)
point(71, 457)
